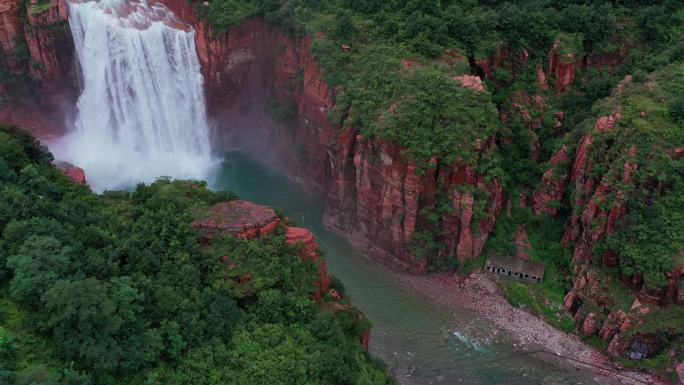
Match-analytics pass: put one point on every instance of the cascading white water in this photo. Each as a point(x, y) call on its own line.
point(141, 114)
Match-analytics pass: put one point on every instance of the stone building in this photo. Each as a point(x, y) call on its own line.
point(523, 269)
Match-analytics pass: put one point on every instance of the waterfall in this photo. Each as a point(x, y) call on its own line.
point(141, 113)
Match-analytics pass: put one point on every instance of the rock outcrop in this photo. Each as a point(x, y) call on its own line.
point(470, 81)
point(240, 218)
point(250, 221)
point(76, 174)
point(590, 220)
point(305, 239)
point(49, 41)
point(562, 67)
point(10, 30)
point(554, 182)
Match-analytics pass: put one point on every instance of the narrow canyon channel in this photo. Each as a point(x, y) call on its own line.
point(422, 342)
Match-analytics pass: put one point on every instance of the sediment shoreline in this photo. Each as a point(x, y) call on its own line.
point(479, 294)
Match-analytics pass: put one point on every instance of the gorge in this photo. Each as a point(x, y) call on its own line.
point(529, 173)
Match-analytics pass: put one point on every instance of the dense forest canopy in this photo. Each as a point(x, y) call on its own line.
point(116, 289)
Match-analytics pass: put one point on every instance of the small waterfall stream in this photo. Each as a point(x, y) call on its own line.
point(142, 111)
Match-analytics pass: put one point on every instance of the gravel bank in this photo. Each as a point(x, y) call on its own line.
point(481, 295)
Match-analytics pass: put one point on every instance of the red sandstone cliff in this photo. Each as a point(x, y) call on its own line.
point(553, 186)
point(47, 36)
point(49, 41)
point(38, 107)
point(249, 68)
point(376, 199)
point(10, 28)
point(603, 174)
point(590, 221)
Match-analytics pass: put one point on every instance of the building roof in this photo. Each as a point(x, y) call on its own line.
point(517, 264)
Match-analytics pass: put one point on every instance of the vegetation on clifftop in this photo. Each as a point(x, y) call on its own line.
point(116, 289)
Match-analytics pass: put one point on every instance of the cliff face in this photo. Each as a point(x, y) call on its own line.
point(553, 185)
point(10, 28)
point(49, 42)
point(378, 198)
point(39, 107)
point(590, 220)
point(562, 67)
point(374, 199)
point(46, 35)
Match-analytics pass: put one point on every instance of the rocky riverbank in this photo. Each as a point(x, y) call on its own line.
point(480, 294)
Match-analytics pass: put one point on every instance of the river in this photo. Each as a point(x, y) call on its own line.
point(422, 342)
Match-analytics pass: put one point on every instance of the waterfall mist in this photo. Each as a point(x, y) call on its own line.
point(142, 113)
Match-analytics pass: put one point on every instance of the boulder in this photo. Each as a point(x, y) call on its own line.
point(589, 326)
point(470, 81)
point(76, 174)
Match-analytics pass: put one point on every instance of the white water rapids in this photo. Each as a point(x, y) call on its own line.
point(141, 114)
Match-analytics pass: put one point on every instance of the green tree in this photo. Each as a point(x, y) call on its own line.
point(8, 356)
point(99, 323)
point(39, 264)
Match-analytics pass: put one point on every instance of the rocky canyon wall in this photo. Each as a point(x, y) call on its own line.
point(35, 43)
point(380, 200)
point(375, 196)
